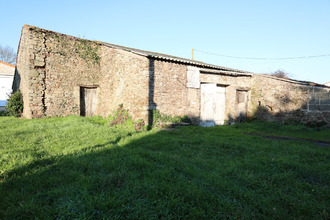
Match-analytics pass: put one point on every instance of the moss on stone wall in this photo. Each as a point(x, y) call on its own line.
point(87, 50)
point(71, 46)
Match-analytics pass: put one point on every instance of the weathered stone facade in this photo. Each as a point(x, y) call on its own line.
point(54, 70)
point(125, 78)
point(50, 69)
point(283, 100)
point(170, 93)
point(233, 84)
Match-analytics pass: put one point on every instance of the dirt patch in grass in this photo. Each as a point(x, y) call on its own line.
point(319, 143)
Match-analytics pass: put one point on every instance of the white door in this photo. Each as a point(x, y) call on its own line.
point(219, 116)
point(212, 105)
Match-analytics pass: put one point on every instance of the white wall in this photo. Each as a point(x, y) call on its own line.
point(6, 83)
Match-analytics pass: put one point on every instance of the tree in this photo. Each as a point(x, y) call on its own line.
point(280, 74)
point(15, 104)
point(7, 54)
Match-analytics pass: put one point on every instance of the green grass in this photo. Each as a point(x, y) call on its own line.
point(77, 167)
point(276, 129)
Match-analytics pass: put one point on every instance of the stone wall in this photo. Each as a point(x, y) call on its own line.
point(24, 67)
point(67, 64)
point(233, 84)
point(169, 92)
point(52, 68)
point(125, 79)
point(284, 100)
point(172, 95)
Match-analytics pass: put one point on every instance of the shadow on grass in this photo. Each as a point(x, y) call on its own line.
point(191, 173)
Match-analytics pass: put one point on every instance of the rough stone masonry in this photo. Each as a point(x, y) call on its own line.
point(61, 75)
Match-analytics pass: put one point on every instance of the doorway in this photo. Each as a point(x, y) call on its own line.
point(213, 99)
point(242, 97)
point(88, 101)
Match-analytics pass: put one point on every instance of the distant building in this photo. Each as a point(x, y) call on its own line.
point(7, 72)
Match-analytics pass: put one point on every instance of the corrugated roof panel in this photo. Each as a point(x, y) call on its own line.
point(171, 58)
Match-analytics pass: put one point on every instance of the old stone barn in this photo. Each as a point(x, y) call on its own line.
point(61, 75)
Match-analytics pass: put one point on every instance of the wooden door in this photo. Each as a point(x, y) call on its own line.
point(242, 104)
point(220, 95)
point(212, 105)
point(207, 105)
point(87, 101)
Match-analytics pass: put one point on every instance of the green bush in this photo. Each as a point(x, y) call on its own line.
point(159, 118)
point(120, 118)
point(15, 104)
point(3, 113)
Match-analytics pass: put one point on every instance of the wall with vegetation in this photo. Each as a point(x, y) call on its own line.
point(52, 67)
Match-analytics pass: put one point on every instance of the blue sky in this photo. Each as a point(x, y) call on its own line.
point(264, 28)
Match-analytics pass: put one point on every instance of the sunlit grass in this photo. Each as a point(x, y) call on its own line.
point(77, 167)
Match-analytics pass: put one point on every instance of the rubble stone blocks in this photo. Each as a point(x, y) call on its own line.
point(52, 68)
point(312, 101)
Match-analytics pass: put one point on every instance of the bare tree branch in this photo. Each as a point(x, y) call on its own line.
point(7, 55)
point(280, 74)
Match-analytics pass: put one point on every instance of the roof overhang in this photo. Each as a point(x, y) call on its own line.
point(225, 72)
point(166, 57)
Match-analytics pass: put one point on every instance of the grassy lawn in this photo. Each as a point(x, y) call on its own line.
point(299, 131)
point(77, 167)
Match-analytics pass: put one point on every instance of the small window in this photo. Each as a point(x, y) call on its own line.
point(241, 96)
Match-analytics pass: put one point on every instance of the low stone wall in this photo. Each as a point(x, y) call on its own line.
point(283, 100)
